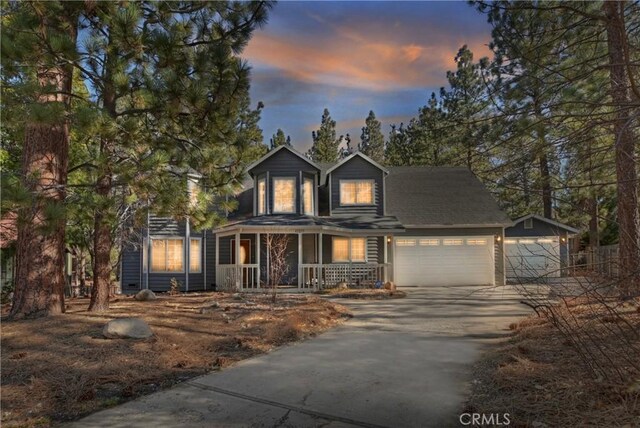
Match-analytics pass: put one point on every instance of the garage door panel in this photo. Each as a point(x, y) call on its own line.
point(528, 257)
point(470, 263)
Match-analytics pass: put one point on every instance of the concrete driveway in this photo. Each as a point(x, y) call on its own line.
point(397, 363)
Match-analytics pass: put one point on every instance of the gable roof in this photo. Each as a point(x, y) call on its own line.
point(351, 156)
point(277, 150)
point(440, 197)
point(547, 220)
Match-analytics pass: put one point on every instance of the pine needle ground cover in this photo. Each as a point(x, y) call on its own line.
point(540, 376)
point(60, 368)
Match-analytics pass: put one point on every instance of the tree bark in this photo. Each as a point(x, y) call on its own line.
point(40, 276)
point(102, 244)
point(546, 186)
point(103, 240)
point(626, 172)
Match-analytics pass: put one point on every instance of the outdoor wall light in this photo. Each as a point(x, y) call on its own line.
point(389, 240)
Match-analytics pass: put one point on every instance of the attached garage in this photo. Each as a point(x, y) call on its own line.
point(532, 257)
point(444, 260)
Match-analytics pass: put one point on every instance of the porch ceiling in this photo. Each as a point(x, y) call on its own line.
point(369, 225)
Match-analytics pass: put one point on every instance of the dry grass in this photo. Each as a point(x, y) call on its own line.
point(363, 293)
point(61, 368)
point(540, 379)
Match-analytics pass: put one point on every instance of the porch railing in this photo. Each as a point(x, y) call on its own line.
point(237, 277)
point(355, 275)
point(313, 276)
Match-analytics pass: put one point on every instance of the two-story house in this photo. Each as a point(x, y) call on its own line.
point(354, 221)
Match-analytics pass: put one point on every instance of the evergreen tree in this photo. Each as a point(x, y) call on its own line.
point(38, 47)
point(399, 150)
point(372, 139)
point(169, 95)
point(326, 147)
point(279, 139)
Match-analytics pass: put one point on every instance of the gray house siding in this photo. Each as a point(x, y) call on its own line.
point(133, 271)
point(357, 168)
point(131, 268)
point(284, 164)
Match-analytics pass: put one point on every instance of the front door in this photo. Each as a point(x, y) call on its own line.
point(245, 251)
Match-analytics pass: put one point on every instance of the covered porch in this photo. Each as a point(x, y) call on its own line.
point(316, 258)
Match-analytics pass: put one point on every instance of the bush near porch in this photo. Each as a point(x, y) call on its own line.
point(61, 368)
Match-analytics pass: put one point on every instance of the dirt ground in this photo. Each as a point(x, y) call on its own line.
point(540, 379)
point(61, 368)
point(364, 293)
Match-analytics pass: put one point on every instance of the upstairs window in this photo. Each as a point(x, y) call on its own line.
point(307, 196)
point(284, 195)
point(193, 188)
point(262, 196)
point(341, 246)
point(356, 192)
point(167, 255)
point(528, 223)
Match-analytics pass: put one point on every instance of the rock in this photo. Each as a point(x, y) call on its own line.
point(343, 285)
point(389, 286)
point(145, 295)
point(212, 307)
point(127, 328)
point(236, 296)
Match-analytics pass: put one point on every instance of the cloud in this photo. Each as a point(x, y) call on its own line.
point(346, 56)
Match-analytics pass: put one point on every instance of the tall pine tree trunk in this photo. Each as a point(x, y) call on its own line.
point(102, 244)
point(626, 173)
point(40, 279)
point(103, 241)
point(545, 177)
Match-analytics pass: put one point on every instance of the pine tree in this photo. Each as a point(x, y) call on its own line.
point(372, 139)
point(279, 139)
point(170, 95)
point(41, 75)
point(326, 147)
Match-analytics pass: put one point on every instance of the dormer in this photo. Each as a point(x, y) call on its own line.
point(356, 186)
point(284, 182)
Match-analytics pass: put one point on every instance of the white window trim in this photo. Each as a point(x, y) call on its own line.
point(356, 204)
point(295, 195)
point(302, 192)
point(264, 197)
point(349, 259)
point(165, 238)
point(190, 253)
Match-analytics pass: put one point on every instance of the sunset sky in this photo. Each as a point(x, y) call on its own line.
point(352, 57)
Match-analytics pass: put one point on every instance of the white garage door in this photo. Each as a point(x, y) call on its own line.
point(528, 257)
point(456, 260)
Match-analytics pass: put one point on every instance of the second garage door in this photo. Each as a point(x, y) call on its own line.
point(456, 260)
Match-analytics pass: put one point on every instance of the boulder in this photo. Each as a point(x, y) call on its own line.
point(145, 295)
point(127, 328)
point(390, 286)
point(343, 285)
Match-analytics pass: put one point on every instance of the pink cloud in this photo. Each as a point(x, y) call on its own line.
point(353, 59)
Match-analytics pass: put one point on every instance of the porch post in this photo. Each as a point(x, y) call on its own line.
point(216, 261)
point(258, 256)
point(237, 267)
point(350, 263)
point(299, 260)
point(385, 244)
point(319, 279)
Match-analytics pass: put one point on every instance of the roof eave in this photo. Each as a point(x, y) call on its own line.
point(276, 150)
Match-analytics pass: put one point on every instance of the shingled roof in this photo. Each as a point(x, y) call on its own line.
point(441, 197)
